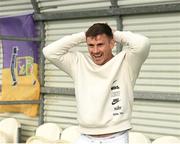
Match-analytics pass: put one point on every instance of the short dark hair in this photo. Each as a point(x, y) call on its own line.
point(99, 28)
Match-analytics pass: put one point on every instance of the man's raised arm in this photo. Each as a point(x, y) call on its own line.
point(58, 51)
point(137, 51)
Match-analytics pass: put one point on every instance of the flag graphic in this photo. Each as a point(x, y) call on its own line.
point(20, 65)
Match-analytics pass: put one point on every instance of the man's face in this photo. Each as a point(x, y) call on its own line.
point(100, 48)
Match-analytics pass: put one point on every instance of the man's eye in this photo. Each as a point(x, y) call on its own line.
point(90, 46)
point(100, 44)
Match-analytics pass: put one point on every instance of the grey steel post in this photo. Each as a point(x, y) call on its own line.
point(41, 61)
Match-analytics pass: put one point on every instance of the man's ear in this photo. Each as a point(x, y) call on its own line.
point(112, 43)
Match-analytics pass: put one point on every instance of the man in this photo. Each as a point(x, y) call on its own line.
point(103, 82)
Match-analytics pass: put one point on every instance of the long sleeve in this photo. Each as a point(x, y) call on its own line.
point(137, 51)
point(58, 51)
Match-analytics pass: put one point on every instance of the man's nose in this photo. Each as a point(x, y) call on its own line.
point(96, 49)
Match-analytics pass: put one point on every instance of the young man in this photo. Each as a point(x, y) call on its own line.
point(103, 82)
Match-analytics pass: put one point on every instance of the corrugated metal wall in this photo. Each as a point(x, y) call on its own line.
point(160, 73)
point(156, 118)
point(60, 109)
point(72, 5)
point(13, 7)
point(144, 2)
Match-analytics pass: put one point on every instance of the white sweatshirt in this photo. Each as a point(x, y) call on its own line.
point(104, 93)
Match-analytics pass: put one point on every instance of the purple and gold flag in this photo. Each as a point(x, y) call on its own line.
point(20, 65)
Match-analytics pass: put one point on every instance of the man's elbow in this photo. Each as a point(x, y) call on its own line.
point(146, 47)
point(46, 53)
point(147, 44)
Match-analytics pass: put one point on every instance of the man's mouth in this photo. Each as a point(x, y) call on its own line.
point(97, 56)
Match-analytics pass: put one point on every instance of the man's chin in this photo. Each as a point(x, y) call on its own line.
point(98, 62)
